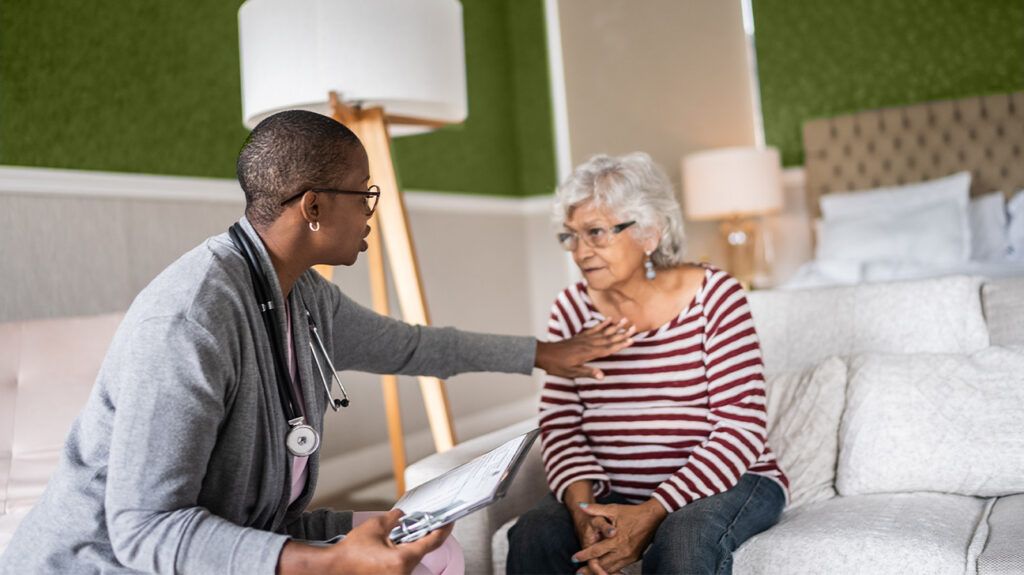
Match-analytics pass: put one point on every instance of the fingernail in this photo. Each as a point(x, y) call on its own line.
point(575, 560)
point(583, 505)
point(611, 532)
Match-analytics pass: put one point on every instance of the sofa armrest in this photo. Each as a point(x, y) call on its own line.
point(474, 531)
point(1002, 553)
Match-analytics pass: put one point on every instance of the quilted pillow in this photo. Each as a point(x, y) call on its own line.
point(934, 422)
point(804, 409)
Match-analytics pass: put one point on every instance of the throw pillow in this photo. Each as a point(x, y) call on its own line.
point(934, 422)
point(804, 409)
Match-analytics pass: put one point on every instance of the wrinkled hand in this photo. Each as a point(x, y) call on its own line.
point(368, 549)
point(633, 528)
point(566, 358)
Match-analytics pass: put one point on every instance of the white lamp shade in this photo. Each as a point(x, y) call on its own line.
point(732, 182)
point(404, 55)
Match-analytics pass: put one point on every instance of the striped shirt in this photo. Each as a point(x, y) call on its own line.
point(679, 415)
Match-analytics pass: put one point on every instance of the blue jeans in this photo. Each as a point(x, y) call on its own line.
point(697, 539)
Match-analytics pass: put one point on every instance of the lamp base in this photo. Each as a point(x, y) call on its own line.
point(744, 243)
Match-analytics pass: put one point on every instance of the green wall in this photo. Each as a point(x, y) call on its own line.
point(153, 87)
point(819, 58)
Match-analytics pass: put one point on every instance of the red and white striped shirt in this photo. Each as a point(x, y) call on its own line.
point(679, 415)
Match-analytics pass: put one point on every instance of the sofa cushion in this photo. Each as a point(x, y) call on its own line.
point(47, 370)
point(869, 534)
point(1003, 553)
point(804, 409)
point(929, 422)
point(801, 328)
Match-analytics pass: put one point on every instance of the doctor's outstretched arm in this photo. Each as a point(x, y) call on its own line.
point(363, 340)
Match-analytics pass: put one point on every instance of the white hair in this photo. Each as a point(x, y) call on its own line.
point(634, 188)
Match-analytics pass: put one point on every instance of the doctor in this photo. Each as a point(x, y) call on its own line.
point(196, 452)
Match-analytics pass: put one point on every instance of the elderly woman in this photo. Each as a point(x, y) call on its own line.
point(665, 457)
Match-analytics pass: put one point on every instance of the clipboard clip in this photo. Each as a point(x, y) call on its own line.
point(414, 526)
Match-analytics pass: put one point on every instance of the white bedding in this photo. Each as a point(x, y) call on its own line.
point(820, 273)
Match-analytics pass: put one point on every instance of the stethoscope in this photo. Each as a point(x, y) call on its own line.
point(302, 440)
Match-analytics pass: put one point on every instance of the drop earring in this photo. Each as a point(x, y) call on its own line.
point(649, 272)
point(314, 226)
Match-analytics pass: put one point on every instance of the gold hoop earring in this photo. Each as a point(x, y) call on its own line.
point(314, 226)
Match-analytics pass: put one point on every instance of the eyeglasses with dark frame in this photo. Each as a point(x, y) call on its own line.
point(593, 237)
point(370, 197)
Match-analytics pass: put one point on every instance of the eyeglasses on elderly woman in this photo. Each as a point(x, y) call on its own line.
point(597, 237)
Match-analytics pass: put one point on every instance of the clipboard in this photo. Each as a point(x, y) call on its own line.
point(461, 491)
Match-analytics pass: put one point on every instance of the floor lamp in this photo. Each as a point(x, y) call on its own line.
point(383, 68)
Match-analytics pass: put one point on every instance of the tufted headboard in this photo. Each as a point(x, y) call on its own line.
point(894, 146)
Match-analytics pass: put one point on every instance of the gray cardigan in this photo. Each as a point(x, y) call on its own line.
point(178, 463)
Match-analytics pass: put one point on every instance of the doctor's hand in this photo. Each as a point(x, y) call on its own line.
point(566, 358)
point(366, 549)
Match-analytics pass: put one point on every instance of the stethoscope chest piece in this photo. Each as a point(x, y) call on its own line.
point(302, 440)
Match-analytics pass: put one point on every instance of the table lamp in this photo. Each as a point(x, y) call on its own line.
point(383, 68)
point(735, 186)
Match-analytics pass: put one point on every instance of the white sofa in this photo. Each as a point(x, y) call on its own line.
point(47, 369)
point(895, 411)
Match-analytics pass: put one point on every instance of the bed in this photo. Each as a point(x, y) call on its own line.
point(916, 191)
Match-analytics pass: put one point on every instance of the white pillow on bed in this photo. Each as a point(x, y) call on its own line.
point(1015, 229)
point(990, 241)
point(955, 188)
point(932, 234)
point(907, 199)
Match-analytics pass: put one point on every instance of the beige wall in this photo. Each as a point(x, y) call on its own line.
point(666, 77)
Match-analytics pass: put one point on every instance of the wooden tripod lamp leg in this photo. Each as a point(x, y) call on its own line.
point(379, 296)
point(394, 226)
point(388, 383)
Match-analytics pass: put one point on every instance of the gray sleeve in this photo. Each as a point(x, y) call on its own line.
point(367, 341)
point(172, 384)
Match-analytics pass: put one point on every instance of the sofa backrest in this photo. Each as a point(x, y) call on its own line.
point(47, 370)
point(801, 328)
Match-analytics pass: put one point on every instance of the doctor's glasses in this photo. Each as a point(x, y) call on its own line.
point(370, 196)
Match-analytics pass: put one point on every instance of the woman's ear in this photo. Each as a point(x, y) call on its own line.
point(311, 207)
point(651, 243)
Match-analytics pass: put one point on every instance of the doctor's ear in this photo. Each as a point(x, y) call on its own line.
point(311, 207)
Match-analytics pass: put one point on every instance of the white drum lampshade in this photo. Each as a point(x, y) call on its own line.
point(407, 56)
point(732, 183)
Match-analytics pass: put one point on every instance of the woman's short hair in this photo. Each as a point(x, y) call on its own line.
point(286, 153)
point(634, 188)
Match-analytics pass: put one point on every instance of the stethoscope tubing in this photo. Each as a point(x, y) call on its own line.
point(269, 315)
